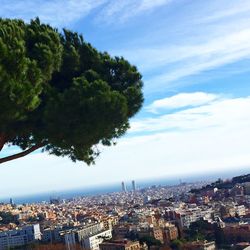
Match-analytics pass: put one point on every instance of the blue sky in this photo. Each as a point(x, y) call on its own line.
point(194, 57)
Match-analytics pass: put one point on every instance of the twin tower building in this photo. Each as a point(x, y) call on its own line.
point(124, 188)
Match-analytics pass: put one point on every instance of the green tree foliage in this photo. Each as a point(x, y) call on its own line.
point(60, 94)
point(177, 244)
point(200, 230)
point(150, 241)
point(7, 217)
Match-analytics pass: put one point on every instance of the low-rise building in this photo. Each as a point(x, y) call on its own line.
point(200, 245)
point(120, 245)
point(170, 233)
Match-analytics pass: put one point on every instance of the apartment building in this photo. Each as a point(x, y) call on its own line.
point(19, 237)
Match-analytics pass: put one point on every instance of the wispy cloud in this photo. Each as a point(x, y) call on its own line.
point(200, 38)
point(64, 12)
point(199, 58)
point(122, 10)
point(56, 12)
point(150, 58)
point(171, 63)
point(231, 10)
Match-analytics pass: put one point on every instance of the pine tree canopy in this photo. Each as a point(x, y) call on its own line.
point(58, 93)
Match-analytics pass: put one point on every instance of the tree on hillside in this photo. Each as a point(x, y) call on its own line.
point(58, 246)
point(200, 230)
point(7, 217)
point(150, 241)
point(60, 94)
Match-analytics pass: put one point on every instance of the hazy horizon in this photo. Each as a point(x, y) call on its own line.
point(140, 183)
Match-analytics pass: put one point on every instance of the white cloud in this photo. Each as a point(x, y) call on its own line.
point(224, 113)
point(182, 100)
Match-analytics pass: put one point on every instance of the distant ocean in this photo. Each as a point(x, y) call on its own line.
point(116, 187)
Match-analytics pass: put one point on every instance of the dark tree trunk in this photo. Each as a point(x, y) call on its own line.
point(2, 140)
point(21, 154)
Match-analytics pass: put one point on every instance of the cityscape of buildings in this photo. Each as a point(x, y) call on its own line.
point(196, 215)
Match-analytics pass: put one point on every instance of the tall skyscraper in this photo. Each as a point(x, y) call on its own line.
point(123, 187)
point(11, 201)
point(133, 186)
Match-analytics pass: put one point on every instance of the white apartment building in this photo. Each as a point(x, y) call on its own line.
point(93, 242)
point(19, 237)
point(90, 236)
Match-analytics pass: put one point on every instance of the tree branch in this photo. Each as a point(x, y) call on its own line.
point(21, 154)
